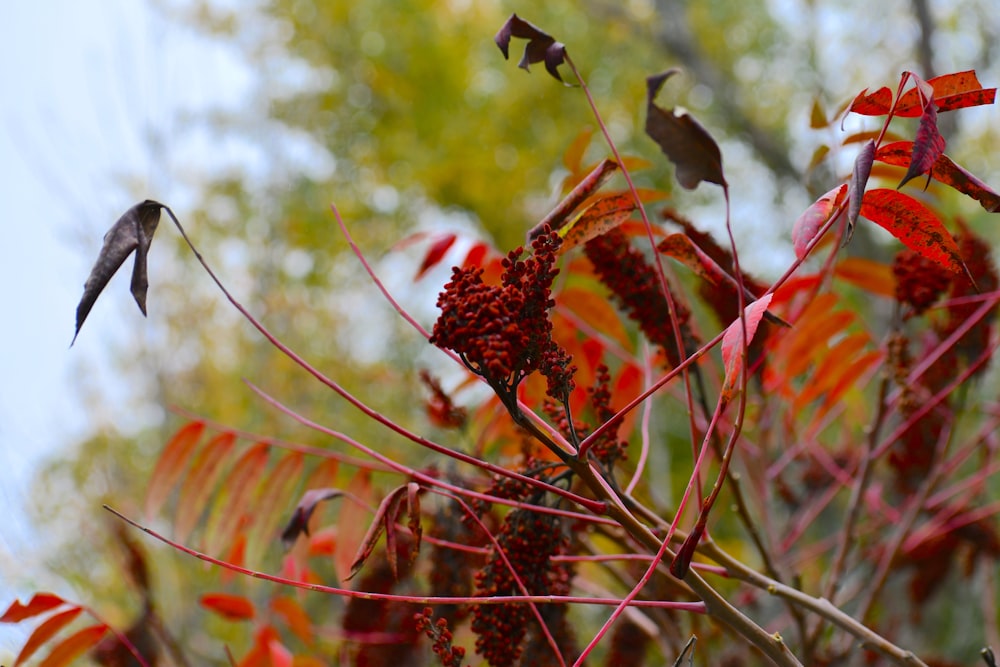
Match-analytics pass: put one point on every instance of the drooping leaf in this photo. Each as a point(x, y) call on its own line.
point(602, 216)
point(172, 462)
point(385, 521)
point(732, 344)
point(915, 225)
point(231, 607)
point(299, 523)
point(813, 218)
point(927, 148)
point(66, 651)
point(541, 46)
point(859, 180)
point(585, 188)
point(133, 232)
point(944, 170)
point(38, 604)
point(44, 632)
point(199, 483)
point(435, 254)
point(682, 139)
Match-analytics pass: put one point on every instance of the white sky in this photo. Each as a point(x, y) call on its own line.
point(83, 85)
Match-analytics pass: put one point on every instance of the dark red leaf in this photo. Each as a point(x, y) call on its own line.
point(682, 139)
point(944, 171)
point(541, 46)
point(859, 179)
point(299, 523)
point(436, 252)
point(927, 148)
point(385, 520)
point(132, 232)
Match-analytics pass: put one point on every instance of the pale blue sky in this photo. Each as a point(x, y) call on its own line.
point(89, 88)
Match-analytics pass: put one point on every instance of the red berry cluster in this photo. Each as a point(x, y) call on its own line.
point(502, 332)
point(438, 632)
point(919, 281)
point(529, 540)
point(636, 288)
point(607, 448)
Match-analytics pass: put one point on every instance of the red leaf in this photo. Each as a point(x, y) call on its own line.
point(435, 254)
point(944, 171)
point(872, 104)
point(859, 179)
point(914, 224)
point(295, 616)
point(45, 632)
point(683, 140)
point(73, 646)
point(813, 219)
point(171, 465)
point(732, 344)
point(541, 46)
point(476, 255)
point(231, 607)
point(38, 604)
point(950, 92)
point(927, 148)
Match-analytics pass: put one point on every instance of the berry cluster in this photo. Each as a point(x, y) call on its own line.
point(438, 632)
point(919, 281)
point(502, 332)
point(636, 288)
point(529, 540)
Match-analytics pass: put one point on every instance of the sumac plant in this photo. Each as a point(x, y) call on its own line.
point(834, 502)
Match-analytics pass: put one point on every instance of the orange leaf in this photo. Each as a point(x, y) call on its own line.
point(732, 344)
point(171, 465)
point(869, 275)
point(274, 497)
point(834, 365)
point(234, 499)
point(573, 157)
point(848, 378)
point(914, 224)
point(602, 216)
point(596, 311)
point(951, 91)
point(45, 632)
point(352, 523)
point(73, 646)
point(38, 604)
point(295, 616)
point(230, 607)
point(813, 218)
point(199, 483)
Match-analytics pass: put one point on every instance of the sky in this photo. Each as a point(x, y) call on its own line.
point(91, 90)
